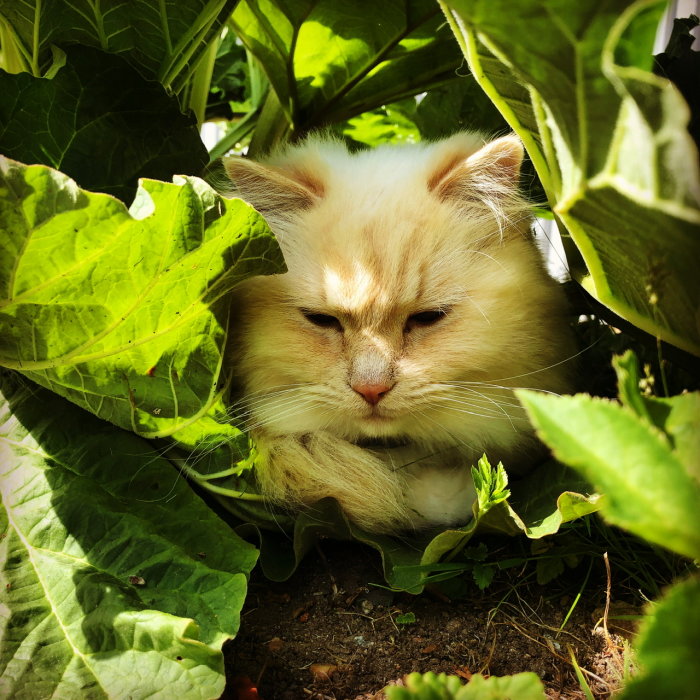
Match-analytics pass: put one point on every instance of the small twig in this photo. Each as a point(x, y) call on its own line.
point(608, 590)
point(487, 663)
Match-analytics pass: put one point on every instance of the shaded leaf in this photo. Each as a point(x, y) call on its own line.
point(99, 122)
point(483, 575)
point(548, 497)
point(408, 618)
point(668, 646)
point(118, 581)
point(163, 41)
point(609, 141)
point(458, 105)
point(548, 569)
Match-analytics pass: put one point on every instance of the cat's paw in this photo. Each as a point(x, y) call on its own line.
point(303, 469)
point(440, 496)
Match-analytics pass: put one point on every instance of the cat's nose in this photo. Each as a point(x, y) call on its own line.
point(372, 393)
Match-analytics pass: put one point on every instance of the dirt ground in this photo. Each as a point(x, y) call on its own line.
point(328, 633)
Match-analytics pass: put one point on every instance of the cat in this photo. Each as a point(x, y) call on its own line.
point(380, 366)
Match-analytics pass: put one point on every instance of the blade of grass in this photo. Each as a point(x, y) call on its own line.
point(583, 684)
point(572, 607)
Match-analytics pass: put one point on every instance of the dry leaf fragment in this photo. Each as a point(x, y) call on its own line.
point(275, 644)
point(464, 672)
point(323, 672)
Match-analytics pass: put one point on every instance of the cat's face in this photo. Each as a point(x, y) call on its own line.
point(405, 310)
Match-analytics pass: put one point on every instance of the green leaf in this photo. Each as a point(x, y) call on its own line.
point(609, 142)
point(390, 124)
point(459, 104)
point(330, 61)
point(161, 40)
point(117, 580)
point(126, 313)
point(541, 502)
point(408, 618)
point(103, 138)
point(483, 575)
point(548, 569)
point(677, 417)
point(523, 686)
point(648, 491)
point(426, 686)
point(668, 646)
point(490, 485)
point(430, 686)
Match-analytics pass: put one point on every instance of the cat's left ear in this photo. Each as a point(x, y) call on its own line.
point(466, 172)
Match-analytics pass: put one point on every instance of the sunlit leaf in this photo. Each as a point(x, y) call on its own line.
point(126, 313)
point(647, 488)
point(668, 645)
point(329, 61)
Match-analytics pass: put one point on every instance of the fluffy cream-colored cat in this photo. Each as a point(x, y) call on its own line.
point(380, 366)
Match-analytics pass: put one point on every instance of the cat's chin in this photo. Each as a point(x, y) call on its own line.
point(379, 431)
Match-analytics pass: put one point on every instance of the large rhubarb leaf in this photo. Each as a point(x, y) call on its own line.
point(117, 580)
point(126, 313)
point(609, 141)
point(104, 137)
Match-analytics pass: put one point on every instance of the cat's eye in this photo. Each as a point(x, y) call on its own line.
point(425, 318)
point(322, 320)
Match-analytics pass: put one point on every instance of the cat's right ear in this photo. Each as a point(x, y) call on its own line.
point(465, 170)
point(269, 189)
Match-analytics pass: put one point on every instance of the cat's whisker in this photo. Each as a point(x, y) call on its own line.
point(253, 402)
point(454, 409)
point(277, 416)
point(475, 395)
point(285, 407)
point(491, 387)
point(262, 395)
point(278, 399)
point(469, 404)
point(510, 389)
point(470, 299)
point(447, 432)
point(244, 416)
point(546, 367)
point(472, 251)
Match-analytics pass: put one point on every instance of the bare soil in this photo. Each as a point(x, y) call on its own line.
point(329, 633)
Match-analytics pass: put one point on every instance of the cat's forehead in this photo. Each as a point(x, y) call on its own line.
point(377, 265)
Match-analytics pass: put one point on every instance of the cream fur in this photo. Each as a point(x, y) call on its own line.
point(372, 238)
